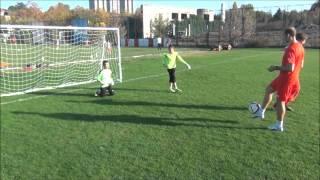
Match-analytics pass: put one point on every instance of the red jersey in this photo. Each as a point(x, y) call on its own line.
point(287, 84)
point(294, 54)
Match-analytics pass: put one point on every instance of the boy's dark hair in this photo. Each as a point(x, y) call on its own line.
point(104, 63)
point(291, 31)
point(301, 36)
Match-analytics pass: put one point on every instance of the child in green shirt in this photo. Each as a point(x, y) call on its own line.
point(106, 81)
point(170, 62)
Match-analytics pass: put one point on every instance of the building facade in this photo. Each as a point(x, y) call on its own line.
point(150, 12)
point(4, 13)
point(112, 6)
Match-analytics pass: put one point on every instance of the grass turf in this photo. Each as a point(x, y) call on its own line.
point(145, 132)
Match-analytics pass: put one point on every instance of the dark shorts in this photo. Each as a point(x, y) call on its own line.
point(105, 91)
point(159, 45)
point(172, 75)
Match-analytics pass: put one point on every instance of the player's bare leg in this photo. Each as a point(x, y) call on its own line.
point(266, 101)
point(281, 111)
point(267, 98)
point(171, 87)
point(176, 87)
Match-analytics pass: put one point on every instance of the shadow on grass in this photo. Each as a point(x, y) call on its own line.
point(112, 102)
point(134, 119)
point(63, 93)
point(141, 90)
point(93, 90)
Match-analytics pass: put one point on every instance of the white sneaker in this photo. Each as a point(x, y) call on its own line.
point(179, 90)
point(259, 114)
point(275, 127)
point(172, 90)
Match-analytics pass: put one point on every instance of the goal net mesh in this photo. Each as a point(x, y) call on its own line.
point(40, 57)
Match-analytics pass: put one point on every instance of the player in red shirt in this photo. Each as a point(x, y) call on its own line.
point(287, 84)
point(301, 38)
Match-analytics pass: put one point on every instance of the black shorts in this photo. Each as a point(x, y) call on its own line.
point(159, 45)
point(172, 75)
point(103, 91)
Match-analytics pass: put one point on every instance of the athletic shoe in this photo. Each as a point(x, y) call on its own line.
point(172, 90)
point(259, 114)
point(95, 94)
point(179, 90)
point(276, 127)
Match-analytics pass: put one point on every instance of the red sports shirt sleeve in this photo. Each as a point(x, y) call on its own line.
point(290, 56)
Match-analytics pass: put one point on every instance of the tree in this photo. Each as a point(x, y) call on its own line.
point(95, 18)
point(314, 13)
point(263, 17)
point(25, 14)
point(234, 6)
point(278, 15)
point(80, 12)
point(248, 19)
point(35, 12)
point(100, 18)
point(233, 26)
point(58, 15)
point(247, 6)
point(293, 18)
point(18, 6)
point(315, 6)
point(159, 26)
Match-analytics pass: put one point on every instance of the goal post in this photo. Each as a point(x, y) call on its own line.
point(36, 58)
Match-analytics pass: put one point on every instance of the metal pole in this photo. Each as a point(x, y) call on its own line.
point(119, 54)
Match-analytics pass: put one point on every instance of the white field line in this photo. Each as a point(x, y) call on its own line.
point(140, 78)
point(143, 55)
point(160, 54)
point(35, 97)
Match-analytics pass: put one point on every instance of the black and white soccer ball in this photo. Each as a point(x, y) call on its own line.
point(254, 107)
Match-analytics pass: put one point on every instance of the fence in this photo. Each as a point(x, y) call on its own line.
point(250, 26)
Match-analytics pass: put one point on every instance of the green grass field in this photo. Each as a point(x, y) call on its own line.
point(145, 132)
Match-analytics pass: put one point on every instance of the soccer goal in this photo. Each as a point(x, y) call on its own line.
point(35, 58)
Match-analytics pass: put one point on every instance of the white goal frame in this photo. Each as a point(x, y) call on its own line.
point(29, 27)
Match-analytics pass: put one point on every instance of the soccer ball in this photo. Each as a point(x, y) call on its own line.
point(254, 107)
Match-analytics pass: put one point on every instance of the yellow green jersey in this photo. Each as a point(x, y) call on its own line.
point(170, 60)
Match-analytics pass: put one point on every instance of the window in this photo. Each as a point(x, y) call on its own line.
point(206, 17)
point(183, 16)
point(175, 16)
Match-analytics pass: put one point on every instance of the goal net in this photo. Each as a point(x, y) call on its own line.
point(35, 58)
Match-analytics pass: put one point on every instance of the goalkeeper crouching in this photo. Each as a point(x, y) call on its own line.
point(105, 78)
